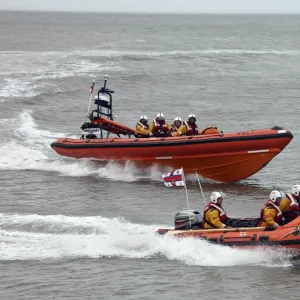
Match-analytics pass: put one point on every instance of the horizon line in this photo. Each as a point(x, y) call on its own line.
point(150, 13)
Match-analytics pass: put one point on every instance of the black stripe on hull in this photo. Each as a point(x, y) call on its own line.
point(258, 243)
point(166, 143)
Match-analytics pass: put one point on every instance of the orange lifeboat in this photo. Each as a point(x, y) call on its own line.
point(223, 157)
point(287, 236)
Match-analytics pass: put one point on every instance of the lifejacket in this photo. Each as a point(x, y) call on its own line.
point(279, 216)
point(296, 199)
point(222, 213)
point(191, 129)
point(145, 126)
point(160, 129)
point(292, 211)
point(174, 127)
point(294, 204)
point(174, 130)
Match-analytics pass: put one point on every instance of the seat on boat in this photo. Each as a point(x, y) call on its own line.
point(91, 136)
point(242, 222)
point(210, 130)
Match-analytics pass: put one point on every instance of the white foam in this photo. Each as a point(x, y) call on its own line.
point(115, 53)
point(24, 146)
point(39, 237)
point(239, 51)
point(129, 172)
point(23, 128)
point(15, 156)
point(25, 72)
point(29, 131)
point(14, 87)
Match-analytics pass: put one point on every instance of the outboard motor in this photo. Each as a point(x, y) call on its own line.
point(188, 219)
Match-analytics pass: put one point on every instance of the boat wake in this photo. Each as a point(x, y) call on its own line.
point(24, 146)
point(37, 237)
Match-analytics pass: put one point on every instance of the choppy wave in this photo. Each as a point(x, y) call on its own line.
point(59, 64)
point(115, 53)
point(29, 74)
point(25, 73)
point(37, 237)
point(24, 146)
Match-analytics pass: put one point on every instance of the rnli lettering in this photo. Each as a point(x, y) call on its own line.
point(245, 133)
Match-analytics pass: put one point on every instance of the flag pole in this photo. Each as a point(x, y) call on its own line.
point(187, 197)
point(200, 187)
point(92, 92)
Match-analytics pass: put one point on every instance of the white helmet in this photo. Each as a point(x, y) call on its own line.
point(215, 196)
point(160, 116)
point(177, 119)
point(143, 118)
point(296, 189)
point(275, 195)
point(192, 116)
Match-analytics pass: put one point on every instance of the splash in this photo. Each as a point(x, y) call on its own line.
point(24, 146)
point(37, 237)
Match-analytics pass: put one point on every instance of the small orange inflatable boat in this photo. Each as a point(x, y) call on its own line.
point(287, 236)
point(224, 157)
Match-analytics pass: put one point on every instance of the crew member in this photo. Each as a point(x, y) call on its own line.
point(159, 127)
point(190, 127)
point(175, 127)
point(271, 215)
point(142, 128)
point(214, 214)
point(289, 207)
point(296, 193)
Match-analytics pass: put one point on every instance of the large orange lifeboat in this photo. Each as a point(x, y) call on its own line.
point(287, 236)
point(223, 157)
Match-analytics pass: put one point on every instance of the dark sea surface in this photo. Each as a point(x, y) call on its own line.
point(84, 230)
